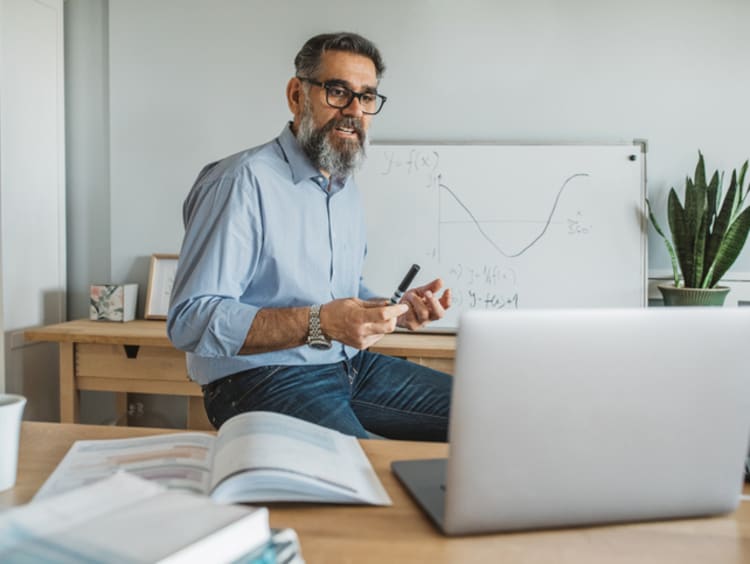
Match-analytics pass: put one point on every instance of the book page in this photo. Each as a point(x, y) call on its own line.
point(263, 456)
point(177, 461)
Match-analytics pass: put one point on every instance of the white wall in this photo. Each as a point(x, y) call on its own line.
point(87, 141)
point(32, 190)
point(87, 144)
point(3, 40)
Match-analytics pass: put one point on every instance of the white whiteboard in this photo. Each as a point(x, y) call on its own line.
point(508, 226)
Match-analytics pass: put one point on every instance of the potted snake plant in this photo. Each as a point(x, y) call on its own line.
point(708, 232)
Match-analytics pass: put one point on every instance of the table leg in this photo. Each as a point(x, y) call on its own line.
point(121, 408)
point(196, 415)
point(69, 402)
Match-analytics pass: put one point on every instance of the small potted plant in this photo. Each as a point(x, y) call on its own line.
point(708, 233)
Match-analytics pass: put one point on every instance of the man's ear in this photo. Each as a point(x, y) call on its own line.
point(295, 96)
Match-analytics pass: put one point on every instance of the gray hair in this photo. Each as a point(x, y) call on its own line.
point(307, 61)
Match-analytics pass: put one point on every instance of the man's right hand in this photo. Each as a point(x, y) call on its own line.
point(358, 323)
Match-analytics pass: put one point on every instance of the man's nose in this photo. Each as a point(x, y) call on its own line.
point(353, 109)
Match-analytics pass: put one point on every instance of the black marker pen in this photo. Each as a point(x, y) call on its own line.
point(405, 283)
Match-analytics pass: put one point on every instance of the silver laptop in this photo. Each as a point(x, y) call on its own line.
point(574, 417)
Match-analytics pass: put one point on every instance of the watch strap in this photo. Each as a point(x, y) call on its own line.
point(315, 336)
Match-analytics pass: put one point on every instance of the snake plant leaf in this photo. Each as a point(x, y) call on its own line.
point(741, 179)
point(667, 242)
point(696, 196)
point(729, 249)
point(713, 196)
point(682, 237)
point(694, 204)
point(738, 197)
point(741, 182)
point(700, 171)
point(699, 250)
point(722, 222)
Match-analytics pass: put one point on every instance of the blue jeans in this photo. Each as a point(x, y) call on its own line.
point(387, 396)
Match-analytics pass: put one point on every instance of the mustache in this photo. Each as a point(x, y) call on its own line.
point(348, 122)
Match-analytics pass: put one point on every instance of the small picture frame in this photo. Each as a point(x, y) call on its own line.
point(160, 280)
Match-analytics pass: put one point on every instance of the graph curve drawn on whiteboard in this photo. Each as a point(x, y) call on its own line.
point(509, 226)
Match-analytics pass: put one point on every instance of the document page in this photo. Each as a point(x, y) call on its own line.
point(177, 461)
point(263, 456)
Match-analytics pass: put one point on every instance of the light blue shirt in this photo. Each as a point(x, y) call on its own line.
point(262, 230)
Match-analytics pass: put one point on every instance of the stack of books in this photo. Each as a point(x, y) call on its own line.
point(124, 518)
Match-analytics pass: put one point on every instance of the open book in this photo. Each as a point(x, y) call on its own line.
point(114, 521)
point(255, 457)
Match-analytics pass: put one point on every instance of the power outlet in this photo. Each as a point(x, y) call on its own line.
point(135, 410)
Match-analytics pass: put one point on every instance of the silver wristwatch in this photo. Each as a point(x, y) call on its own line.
point(315, 337)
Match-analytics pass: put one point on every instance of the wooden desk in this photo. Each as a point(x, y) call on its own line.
point(401, 533)
point(138, 357)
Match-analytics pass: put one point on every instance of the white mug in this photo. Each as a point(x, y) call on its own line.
point(11, 409)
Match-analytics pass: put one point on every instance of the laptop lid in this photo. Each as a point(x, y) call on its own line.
point(572, 417)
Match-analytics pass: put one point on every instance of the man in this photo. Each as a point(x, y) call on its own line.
point(268, 299)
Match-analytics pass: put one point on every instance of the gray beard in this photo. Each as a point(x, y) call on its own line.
point(338, 162)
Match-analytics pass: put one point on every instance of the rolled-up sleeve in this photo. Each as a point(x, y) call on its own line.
point(220, 252)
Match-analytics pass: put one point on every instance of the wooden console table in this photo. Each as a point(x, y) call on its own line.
point(137, 357)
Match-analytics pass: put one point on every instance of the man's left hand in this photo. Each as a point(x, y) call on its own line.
point(424, 305)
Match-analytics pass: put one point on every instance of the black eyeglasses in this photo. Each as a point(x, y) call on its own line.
point(340, 97)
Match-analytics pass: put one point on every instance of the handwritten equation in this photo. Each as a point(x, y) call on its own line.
point(485, 286)
point(577, 225)
point(414, 161)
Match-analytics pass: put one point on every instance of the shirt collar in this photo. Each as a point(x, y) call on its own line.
point(299, 163)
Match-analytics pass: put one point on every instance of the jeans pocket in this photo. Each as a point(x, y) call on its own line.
point(224, 400)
